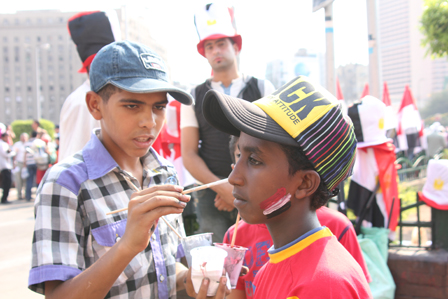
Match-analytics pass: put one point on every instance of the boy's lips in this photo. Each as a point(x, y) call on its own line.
point(143, 141)
point(238, 201)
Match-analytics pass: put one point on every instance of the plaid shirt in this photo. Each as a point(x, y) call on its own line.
point(72, 230)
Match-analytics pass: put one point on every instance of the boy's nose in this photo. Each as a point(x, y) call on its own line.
point(235, 177)
point(147, 120)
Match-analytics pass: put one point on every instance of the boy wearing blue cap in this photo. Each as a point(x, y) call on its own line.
point(295, 148)
point(79, 251)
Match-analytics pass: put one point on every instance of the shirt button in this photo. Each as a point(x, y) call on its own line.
point(153, 237)
point(117, 238)
point(162, 278)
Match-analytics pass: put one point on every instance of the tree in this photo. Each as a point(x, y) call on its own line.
point(436, 109)
point(24, 126)
point(435, 27)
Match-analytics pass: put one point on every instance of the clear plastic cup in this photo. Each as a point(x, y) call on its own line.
point(194, 241)
point(234, 261)
point(207, 261)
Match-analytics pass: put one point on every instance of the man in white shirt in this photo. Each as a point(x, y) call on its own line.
point(90, 31)
point(6, 155)
point(19, 148)
point(205, 150)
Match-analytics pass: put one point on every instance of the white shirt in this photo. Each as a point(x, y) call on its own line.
point(5, 157)
point(19, 148)
point(76, 122)
point(187, 113)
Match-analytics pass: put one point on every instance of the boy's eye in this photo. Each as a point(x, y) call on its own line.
point(254, 161)
point(160, 107)
point(131, 106)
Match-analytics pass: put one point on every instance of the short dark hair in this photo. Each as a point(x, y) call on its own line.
point(34, 134)
point(37, 122)
point(298, 161)
point(107, 91)
point(232, 145)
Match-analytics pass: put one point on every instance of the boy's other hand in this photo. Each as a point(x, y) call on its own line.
point(144, 210)
point(225, 193)
point(221, 293)
point(221, 205)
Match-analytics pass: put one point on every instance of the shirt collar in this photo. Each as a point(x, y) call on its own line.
point(99, 161)
point(284, 252)
point(97, 158)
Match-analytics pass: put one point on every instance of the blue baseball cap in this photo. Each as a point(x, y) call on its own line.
point(135, 68)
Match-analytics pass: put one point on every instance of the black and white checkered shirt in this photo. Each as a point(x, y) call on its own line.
point(72, 230)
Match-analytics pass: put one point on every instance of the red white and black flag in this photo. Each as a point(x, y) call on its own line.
point(374, 173)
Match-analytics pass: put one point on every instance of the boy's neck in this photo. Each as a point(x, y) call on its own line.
point(289, 227)
point(136, 169)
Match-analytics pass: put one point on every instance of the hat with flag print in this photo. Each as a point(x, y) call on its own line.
point(214, 21)
point(301, 114)
point(92, 30)
point(368, 120)
point(435, 190)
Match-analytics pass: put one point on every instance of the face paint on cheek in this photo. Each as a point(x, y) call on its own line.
point(276, 204)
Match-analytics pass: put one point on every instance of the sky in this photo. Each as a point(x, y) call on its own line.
point(270, 30)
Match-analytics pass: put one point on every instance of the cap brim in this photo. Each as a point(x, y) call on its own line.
point(147, 85)
point(232, 116)
point(374, 142)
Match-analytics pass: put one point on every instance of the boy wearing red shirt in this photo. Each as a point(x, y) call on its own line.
point(295, 148)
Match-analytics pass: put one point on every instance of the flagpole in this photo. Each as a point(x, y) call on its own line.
point(330, 73)
point(374, 76)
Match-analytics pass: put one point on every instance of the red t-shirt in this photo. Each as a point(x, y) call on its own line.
point(315, 267)
point(258, 240)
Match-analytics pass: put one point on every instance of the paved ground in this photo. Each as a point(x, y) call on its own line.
point(16, 233)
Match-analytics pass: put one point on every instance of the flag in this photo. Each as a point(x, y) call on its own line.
point(373, 164)
point(366, 91)
point(386, 97)
point(340, 97)
point(390, 119)
point(410, 128)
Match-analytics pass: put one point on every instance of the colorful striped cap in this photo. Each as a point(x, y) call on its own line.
point(300, 113)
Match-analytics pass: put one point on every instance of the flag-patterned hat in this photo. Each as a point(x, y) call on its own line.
point(435, 190)
point(214, 21)
point(368, 120)
point(92, 30)
point(300, 113)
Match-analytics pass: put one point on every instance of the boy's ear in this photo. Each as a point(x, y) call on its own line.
point(94, 101)
point(310, 181)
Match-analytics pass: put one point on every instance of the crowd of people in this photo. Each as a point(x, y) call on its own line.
point(25, 162)
point(290, 149)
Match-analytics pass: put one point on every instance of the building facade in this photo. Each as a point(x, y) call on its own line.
point(39, 62)
point(402, 58)
point(312, 65)
point(352, 79)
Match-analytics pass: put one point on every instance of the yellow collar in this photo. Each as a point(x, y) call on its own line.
point(299, 246)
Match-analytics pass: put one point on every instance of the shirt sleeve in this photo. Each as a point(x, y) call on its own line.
point(350, 242)
point(59, 237)
point(188, 117)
